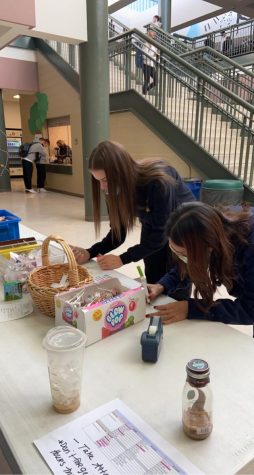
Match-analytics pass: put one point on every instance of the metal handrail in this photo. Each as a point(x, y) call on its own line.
point(168, 40)
point(189, 98)
point(219, 55)
point(209, 60)
point(167, 54)
point(214, 117)
point(205, 49)
point(115, 27)
point(170, 54)
point(117, 22)
point(219, 31)
point(241, 39)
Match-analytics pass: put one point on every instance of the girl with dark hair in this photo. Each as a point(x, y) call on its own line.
point(212, 248)
point(149, 190)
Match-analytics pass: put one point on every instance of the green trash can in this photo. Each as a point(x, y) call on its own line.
point(222, 192)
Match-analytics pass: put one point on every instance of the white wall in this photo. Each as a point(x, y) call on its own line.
point(183, 11)
point(64, 20)
point(12, 114)
point(18, 53)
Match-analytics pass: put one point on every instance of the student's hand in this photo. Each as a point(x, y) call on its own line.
point(81, 255)
point(154, 290)
point(172, 312)
point(109, 262)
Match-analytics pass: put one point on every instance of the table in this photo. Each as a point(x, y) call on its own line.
point(113, 369)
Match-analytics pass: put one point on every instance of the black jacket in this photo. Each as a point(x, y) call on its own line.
point(239, 311)
point(154, 205)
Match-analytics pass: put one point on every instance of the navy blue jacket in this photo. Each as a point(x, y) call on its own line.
point(154, 205)
point(237, 312)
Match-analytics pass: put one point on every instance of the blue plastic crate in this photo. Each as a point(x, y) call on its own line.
point(9, 228)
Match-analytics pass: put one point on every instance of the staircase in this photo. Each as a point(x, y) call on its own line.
point(214, 111)
point(222, 69)
point(212, 121)
point(200, 116)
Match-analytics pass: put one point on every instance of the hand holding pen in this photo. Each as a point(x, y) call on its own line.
point(155, 290)
point(144, 283)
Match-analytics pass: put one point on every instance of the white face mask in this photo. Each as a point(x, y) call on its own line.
point(117, 191)
point(183, 258)
point(179, 255)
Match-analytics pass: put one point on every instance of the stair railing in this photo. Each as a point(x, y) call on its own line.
point(241, 38)
point(216, 117)
point(213, 63)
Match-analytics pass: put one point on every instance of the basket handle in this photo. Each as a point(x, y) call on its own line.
point(73, 274)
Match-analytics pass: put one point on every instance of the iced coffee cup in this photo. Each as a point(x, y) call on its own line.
point(65, 350)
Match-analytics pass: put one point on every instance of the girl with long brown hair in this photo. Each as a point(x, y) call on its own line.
point(212, 248)
point(149, 190)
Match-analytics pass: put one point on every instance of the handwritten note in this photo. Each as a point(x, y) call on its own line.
point(111, 440)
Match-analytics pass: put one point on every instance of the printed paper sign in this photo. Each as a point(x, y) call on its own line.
point(108, 441)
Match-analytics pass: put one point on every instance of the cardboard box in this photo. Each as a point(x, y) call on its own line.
point(102, 319)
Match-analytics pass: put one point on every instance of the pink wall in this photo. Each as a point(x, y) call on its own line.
point(17, 74)
point(21, 12)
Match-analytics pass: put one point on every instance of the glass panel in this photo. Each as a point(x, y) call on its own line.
point(59, 133)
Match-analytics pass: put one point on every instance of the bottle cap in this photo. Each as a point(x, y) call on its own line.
point(197, 369)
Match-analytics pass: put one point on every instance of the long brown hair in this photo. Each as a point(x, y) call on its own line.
point(210, 237)
point(123, 175)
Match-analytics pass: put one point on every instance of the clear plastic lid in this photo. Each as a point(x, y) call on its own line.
point(62, 338)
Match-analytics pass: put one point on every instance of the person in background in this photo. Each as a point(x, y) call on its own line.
point(149, 190)
point(156, 21)
point(209, 41)
point(150, 54)
point(41, 166)
point(212, 247)
point(36, 153)
point(47, 148)
point(62, 151)
point(223, 37)
point(227, 46)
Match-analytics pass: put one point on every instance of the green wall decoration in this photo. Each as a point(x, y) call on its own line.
point(38, 113)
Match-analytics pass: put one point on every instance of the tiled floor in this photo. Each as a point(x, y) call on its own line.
point(55, 213)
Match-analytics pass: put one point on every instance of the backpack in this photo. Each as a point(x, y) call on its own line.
point(24, 149)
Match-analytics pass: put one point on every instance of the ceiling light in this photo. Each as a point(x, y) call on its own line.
point(17, 96)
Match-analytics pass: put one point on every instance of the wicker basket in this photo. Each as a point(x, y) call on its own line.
point(39, 280)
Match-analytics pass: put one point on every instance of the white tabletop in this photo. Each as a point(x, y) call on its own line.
point(113, 369)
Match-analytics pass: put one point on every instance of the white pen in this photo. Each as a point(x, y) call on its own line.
point(144, 283)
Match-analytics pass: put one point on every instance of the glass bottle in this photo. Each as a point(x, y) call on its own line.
point(197, 400)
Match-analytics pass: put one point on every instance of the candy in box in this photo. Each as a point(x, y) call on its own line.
point(101, 319)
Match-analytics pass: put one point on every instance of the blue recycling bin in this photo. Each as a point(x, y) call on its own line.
point(194, 184)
